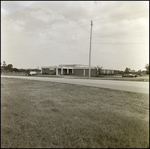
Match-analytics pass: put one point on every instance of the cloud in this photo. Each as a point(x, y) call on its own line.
point(4, 12)
point(47, 16)
point(13, 26)
point(46, 29)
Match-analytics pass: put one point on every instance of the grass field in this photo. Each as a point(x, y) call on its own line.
point(45, 114)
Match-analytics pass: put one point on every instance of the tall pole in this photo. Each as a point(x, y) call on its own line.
point(90, 51)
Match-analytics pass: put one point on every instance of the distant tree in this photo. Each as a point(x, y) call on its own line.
point(22, 70)
point(127, 70)
point(139, 72)
point(144, 72)
point(28, 71)
point(15, 70)
point(10, 67)
point(98, 70)
point(4, 64)
point(147, 68)
point(3, 67)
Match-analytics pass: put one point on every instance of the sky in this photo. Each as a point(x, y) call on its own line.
point(48, 33)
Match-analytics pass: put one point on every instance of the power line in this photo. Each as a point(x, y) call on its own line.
point(141, 32)
point(105, 36)
point(94, 19)
point(88, 21)
point(45, 48)
point(72, 41)
point(36, 35)
point(118, 19)
point(125, 49)
point(122, 34)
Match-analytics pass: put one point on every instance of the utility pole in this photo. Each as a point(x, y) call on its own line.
point(90, 51)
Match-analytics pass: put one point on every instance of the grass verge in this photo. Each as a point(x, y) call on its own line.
point(47, 114)
point(104, 77)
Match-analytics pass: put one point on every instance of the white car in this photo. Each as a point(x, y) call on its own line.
point(31, 73)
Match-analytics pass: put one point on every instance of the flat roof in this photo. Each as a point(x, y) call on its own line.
point(73, 66)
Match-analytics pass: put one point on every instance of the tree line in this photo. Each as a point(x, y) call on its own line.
point(9, 68)
point(139, 72)
point(126, 71)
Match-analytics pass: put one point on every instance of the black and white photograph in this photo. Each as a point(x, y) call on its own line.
point(74, 74)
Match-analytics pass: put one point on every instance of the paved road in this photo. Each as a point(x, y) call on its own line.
point(132, 86)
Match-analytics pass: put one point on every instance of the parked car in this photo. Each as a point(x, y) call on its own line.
point(30, 73)
point(129, 75)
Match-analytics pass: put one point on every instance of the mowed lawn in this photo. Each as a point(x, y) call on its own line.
point(46, 114)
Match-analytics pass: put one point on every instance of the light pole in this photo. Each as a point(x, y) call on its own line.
point(90, 51)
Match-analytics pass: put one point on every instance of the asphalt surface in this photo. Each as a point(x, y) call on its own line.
point(131, 86)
